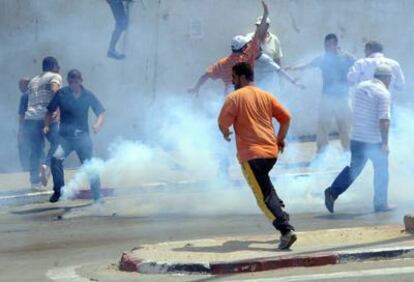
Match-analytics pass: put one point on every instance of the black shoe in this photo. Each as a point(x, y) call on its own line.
point(55, 197)
point(287, 240)
point(115, 55)
point(329, 200)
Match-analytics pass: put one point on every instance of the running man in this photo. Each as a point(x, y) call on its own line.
point(74, 102)
point(370, 128)
point(42, 89)
point(250, 111)
point(243, 50)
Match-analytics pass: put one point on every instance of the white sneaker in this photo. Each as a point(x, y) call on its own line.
point(287, 240)
point(37, 187)
point(44, 174)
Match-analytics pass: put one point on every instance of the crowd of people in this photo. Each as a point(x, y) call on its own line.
point(59, 114)
point(250, 77)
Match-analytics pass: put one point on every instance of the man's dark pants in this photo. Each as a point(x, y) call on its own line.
point(82, 145)
point(256, 173)
point(34, 131)
point(118, 10)
point(360, 154)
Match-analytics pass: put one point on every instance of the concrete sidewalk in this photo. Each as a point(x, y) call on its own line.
point(257, 253)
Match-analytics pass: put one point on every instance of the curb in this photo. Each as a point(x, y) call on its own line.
point(130, 263)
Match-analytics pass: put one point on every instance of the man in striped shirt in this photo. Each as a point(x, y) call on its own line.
point(243, 50)
point(369, 139)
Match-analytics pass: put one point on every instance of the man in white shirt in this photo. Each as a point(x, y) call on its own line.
point(270, 44)
point(41, 90)
point(363, 69)
point(369, 139)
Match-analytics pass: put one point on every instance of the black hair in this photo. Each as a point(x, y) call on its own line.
point(49, 63)
point(331, 36)
point(244, 69)
point(374, 46)
point(74, 74)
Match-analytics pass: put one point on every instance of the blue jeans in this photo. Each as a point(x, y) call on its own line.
point(82, 145)
point(36, 138)
point(360, 154)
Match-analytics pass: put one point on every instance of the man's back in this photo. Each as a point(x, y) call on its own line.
point(250, 110)
point(40, 94)
point(364, 70)
point(371, 102)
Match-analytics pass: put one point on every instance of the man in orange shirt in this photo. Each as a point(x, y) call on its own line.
point(243, 50)
point(250, 111)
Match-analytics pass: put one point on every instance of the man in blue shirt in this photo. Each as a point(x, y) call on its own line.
point(74, 102)
point(334, 65)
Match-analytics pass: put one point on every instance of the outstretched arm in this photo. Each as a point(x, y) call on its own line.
point(292, 80)
point(196, 89)
point(298, 67)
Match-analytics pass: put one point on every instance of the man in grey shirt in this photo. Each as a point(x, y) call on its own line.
point(41, 90)
point(334, 65)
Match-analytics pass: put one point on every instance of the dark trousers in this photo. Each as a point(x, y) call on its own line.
point(83, 147)
point(23, 146)
point(120, 15)
point(36, 138)
point(256, 173)
point(360, 154)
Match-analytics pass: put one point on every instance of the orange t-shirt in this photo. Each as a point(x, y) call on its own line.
point(250, 110)
point(224, 67)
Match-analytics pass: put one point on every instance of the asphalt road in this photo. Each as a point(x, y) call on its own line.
point(35, 245)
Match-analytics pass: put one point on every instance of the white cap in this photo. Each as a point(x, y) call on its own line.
point(383, 70)
point(259, 20)
point(238, 42)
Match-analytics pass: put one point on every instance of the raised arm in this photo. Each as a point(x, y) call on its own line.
point(261, 30)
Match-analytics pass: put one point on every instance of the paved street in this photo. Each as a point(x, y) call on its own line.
point(34, 244)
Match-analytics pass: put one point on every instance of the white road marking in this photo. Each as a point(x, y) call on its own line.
point(337, 275)
point(65, 274)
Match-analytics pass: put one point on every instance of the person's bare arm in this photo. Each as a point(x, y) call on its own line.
point(47, 121)
point(292, 80)
point(278, 61)
point(226, 132)
point(196, 89)
point(281, 135)
point(384, 125)
point(298, 67)
point(261, 30)
point(99, 123)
